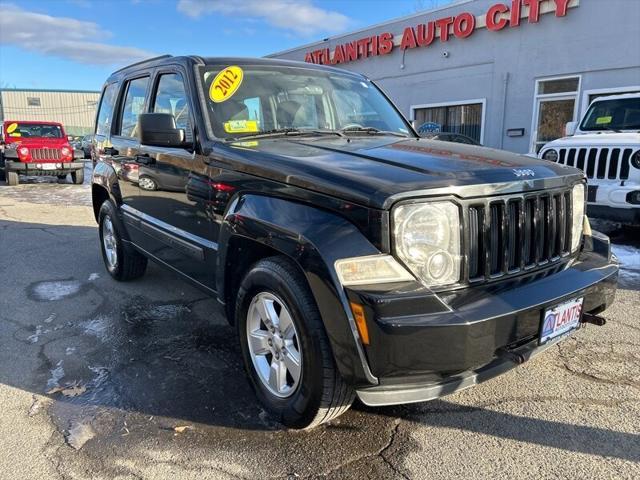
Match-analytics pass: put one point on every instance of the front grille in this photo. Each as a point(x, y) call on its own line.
point(511, 234)
point(45, 153)
point(598, 162)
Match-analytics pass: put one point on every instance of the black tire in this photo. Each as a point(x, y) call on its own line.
point(130, 264)
point(11, 178)
point(77, 176)
point(2, 176)
point(62, 177)
point(321, 394)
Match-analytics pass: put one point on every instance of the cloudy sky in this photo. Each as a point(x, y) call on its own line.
point(75, 44)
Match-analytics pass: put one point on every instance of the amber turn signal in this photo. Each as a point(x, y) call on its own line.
point(361, 322)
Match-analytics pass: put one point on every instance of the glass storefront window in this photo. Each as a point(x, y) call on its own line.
point(553, 115)
point(556, 101)
point(463, 119)
point(562, 85)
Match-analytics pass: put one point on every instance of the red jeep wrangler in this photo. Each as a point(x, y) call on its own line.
point(37, 148)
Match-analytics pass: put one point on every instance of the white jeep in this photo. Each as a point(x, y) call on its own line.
point(605, 144)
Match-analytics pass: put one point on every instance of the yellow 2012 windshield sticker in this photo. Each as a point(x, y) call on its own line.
point(241, 126)
point(226, 84)
point(603, 120)
point(12, 127)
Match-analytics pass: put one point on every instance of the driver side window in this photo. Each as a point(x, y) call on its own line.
point(171, 97)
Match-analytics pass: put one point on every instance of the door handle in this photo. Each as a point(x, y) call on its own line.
point(145, 159)
point(110, 151)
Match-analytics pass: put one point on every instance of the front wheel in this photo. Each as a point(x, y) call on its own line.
point(78, 176)
point(285, 347)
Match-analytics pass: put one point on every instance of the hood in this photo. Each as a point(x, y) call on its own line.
point(369, 170)
point(597, 139)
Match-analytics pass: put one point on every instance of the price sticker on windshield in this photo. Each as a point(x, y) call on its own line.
point(603, 120)
point(226, 84)
point(12, 127)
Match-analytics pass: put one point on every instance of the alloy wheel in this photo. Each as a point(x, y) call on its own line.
point(274, 344)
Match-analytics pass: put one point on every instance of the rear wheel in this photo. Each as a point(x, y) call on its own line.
point(11, 177)
point(62, 177)
point(147, 183)
point(1, 166)
point(122, 263)
point(78, 176)
point(285, 347)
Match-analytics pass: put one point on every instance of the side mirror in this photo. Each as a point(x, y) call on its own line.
point(570, 128)
point(159, 130)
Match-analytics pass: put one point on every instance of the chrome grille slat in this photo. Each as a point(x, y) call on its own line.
point(45, 153)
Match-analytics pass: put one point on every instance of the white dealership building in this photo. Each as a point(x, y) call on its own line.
point(509, 74)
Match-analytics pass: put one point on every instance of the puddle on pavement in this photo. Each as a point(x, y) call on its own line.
point(152, 365)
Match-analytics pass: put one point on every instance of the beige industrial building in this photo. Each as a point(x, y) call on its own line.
point(76, 110)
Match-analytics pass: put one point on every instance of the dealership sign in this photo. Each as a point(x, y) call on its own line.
point(462, 25)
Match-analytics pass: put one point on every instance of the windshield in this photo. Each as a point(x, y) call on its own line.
point(621, 114)
point(31, 130)
point(250, 100)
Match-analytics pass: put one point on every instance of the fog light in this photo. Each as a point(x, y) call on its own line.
point(38, 165)
point(633, 198)
point(58, 165)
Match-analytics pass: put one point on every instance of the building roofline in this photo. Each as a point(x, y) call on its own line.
point(454, 3)
point(47, 90)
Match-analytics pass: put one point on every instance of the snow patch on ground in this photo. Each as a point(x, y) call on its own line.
point(56, 375)
point(98, 327)
point(629, 258)
point(56, 290)
point(94, 276)
point(36, 336)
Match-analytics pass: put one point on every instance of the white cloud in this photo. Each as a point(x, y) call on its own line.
point(299, 16)
point(63, 37)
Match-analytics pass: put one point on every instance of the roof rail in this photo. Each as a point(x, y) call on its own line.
point(159, 57)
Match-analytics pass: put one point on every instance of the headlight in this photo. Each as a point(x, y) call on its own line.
point(550, 155)
point(578, 216)
point(24, 151)
point(635, 159)
point(66, 151)
point(427, 240)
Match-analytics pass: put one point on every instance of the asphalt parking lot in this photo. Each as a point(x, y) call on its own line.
point(145, 380)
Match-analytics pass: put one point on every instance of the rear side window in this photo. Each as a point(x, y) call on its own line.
point(171, 97)
point(133, 106)
point(105, 111)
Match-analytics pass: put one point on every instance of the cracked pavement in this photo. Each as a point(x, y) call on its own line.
point(156, 354)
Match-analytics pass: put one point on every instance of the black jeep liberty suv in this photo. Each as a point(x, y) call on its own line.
point(353, 257)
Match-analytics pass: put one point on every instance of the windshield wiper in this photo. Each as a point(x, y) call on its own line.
point(290, 131)
point(373, 131)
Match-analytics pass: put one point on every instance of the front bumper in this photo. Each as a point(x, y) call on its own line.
point(614, 201)
point(628, 216)
point(31, 168)
point(470, 335)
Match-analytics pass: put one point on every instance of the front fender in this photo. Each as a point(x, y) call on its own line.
point(314, 239)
